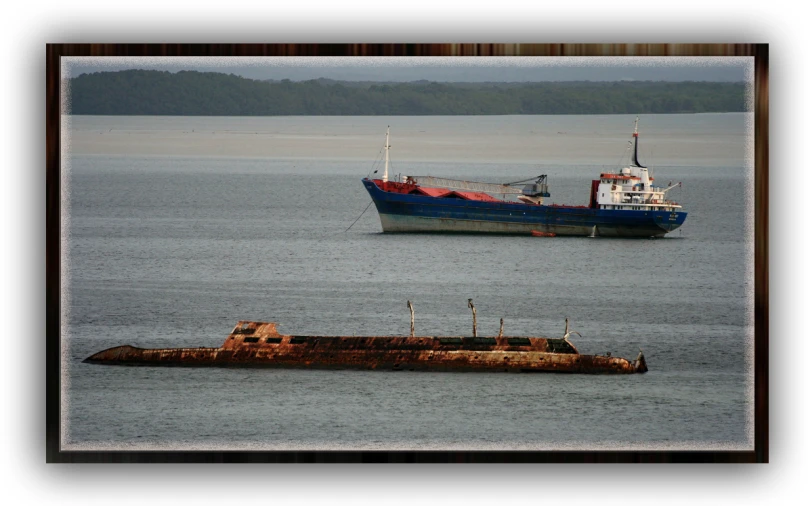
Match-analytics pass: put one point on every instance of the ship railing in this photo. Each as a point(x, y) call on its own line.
point(651, 202)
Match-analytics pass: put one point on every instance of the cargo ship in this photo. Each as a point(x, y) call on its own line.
point(258, 344)
point(622, 203)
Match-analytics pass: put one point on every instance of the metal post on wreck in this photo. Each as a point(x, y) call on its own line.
point(501, 326)
point(473, 318)
point(412, 319)
point(567, 331)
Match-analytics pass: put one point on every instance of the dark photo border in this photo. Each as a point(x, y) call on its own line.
point(760, 52)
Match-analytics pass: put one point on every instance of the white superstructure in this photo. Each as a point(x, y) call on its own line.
point(633, 189)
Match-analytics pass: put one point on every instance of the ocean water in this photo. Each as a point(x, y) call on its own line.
point(179, 227)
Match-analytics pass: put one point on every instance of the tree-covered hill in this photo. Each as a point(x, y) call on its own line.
point(190, 93)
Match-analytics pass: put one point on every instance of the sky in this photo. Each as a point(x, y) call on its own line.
point(468, 69)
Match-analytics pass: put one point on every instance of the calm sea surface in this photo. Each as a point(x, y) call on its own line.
point(179, 226)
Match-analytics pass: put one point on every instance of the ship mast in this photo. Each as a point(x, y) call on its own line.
point(386, 154)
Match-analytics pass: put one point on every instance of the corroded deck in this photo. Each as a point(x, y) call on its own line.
point(258, 344)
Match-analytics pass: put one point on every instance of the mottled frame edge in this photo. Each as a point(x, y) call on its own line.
point(54, 52)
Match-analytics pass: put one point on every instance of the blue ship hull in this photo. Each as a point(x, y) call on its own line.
point(403, 213)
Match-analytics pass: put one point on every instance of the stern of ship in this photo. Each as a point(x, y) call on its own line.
point(669, 220)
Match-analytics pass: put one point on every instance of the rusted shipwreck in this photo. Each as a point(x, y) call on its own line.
point(258, 344)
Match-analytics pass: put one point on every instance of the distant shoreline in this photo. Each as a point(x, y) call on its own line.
point(191, 93)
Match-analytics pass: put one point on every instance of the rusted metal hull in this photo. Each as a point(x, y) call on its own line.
point(257, 344)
